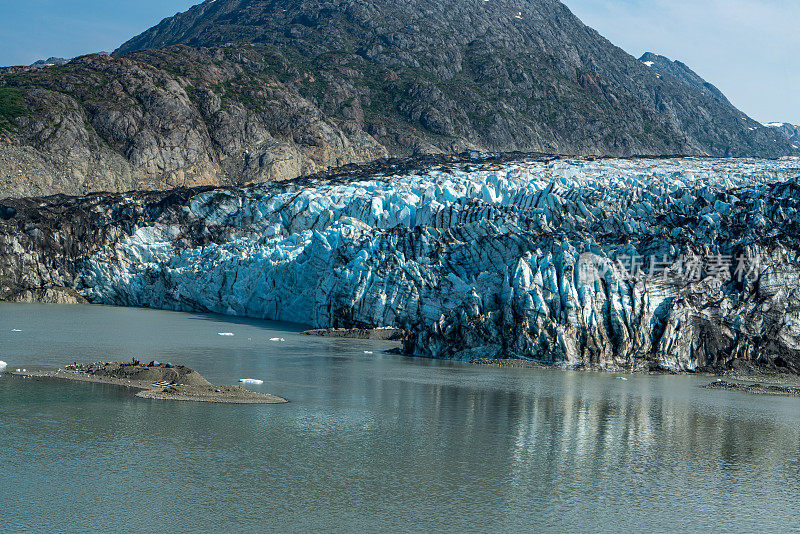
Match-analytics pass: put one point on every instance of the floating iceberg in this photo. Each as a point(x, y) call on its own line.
point(3, 366)
point(253, 381)
point(226, 334)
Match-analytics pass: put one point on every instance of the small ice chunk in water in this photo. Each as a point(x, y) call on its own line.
point(16, 330)
point(276, 339)
point(621, 378)
point(368, 352)
point(251, 381)
point(3, 366)
point(224, 333)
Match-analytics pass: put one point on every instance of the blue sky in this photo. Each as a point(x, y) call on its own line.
point(38, 29)
point(750, 49)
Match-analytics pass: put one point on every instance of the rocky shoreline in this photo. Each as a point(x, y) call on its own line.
point(756, 388)
point(372, 334)
point(156, 382)
point(50, 295)
point(753, 381)
point(510, 362)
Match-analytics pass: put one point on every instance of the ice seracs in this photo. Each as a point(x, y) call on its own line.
point(610, 264)
point(478, 263)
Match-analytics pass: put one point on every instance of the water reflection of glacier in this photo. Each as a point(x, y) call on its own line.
point(378, 442)
point(623, 453)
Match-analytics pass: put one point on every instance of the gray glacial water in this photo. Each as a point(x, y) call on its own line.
point(372, 442)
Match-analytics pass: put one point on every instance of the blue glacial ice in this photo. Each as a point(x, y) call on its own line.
point(487, 261)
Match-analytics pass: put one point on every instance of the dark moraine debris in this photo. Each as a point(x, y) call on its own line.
point(374, 334)
point(155, 381)
point(509, 362)
point(759, 389)
point(50, 295)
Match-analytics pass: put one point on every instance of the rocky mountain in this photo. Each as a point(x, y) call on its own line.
point(233, 92)
point(51, 62)
point(678, 265)
point(681, 72)
point(162, 119)
point(476, 53)
point(790, 131)
point(664, 66)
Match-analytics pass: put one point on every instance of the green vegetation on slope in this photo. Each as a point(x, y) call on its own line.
point(10, 106)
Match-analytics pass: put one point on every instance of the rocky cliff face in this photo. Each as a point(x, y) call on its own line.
point(235, 92)
point(164, 119)
point(613, 264)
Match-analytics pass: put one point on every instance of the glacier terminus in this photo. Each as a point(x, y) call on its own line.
point(617, 264)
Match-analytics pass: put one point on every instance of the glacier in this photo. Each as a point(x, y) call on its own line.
point(481, 259)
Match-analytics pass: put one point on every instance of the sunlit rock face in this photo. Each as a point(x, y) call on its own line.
point(612, 264)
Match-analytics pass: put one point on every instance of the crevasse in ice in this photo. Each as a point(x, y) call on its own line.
point(490, 260)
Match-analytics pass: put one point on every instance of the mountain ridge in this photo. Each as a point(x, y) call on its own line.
point(788, 130)
point(547, 32)
point(680, 71)
point(234, 92)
